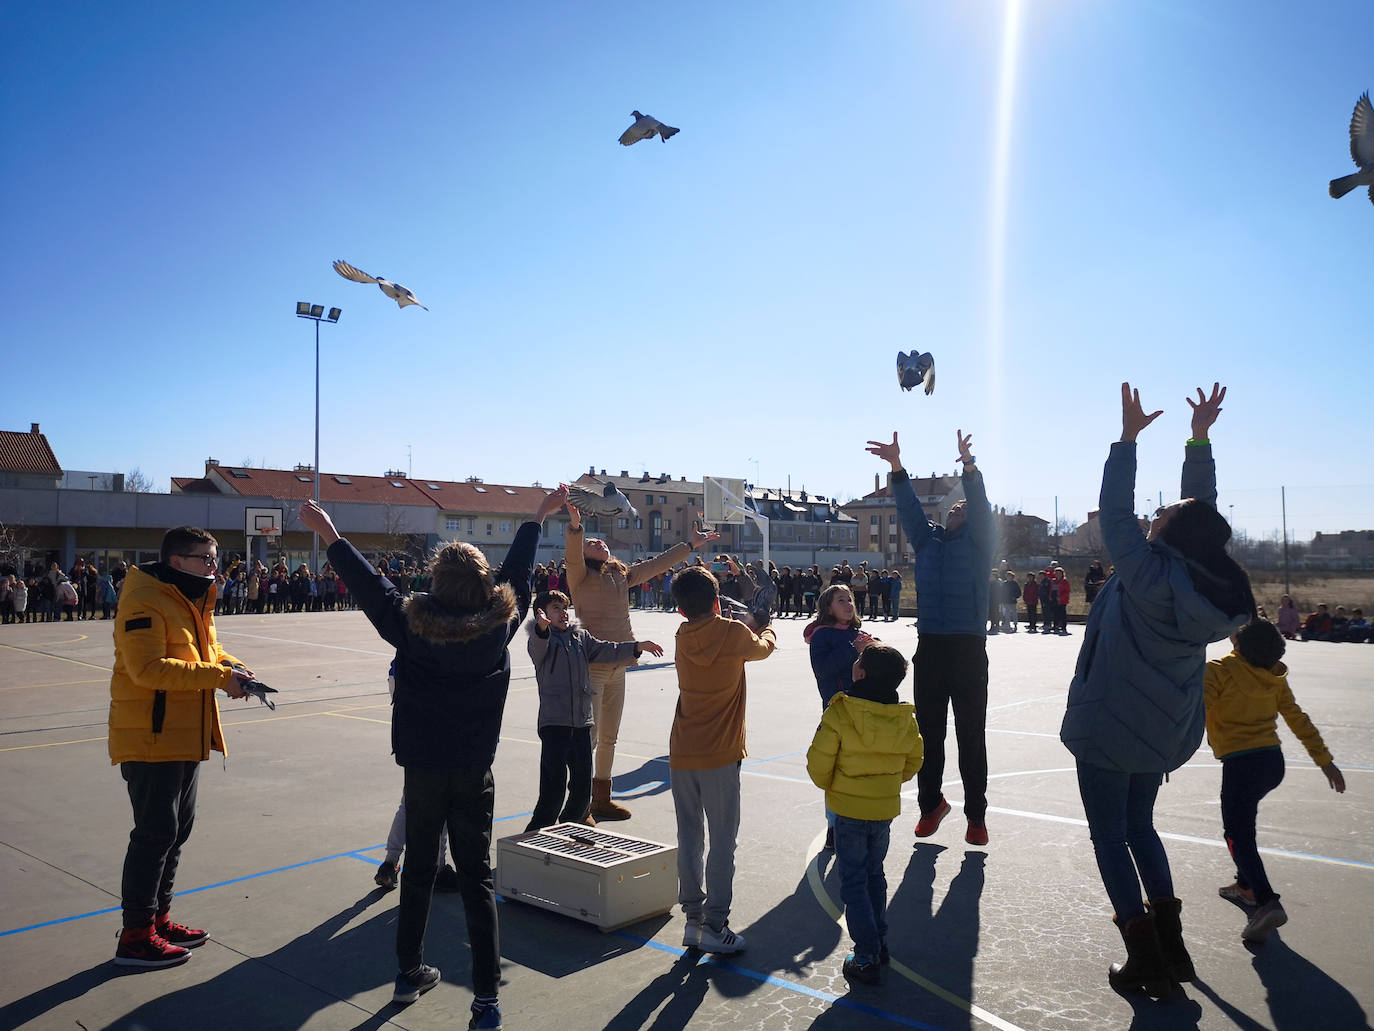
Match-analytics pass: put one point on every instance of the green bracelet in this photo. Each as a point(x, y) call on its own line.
point(1196, 442)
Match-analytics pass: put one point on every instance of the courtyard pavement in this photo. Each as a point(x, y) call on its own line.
point(289, 831)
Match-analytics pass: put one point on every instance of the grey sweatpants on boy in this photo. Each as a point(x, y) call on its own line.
point(706, 801)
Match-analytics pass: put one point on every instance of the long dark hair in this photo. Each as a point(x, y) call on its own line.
point(1200, 533)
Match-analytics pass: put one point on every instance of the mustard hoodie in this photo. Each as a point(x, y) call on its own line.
point(708, 726)
point(1243, 704)
point(863, 752)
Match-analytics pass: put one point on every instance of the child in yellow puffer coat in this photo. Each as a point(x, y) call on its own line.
point(866, 748)
point(1245, 693)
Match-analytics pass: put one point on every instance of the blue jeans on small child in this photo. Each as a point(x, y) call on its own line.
point(860, 849)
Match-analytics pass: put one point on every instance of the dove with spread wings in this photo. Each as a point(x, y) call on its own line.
point(646, 127)
point(608, 501)
point(398, 293)
point(1361, 150)
point(914, 369)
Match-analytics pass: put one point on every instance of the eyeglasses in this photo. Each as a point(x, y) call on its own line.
point(209, 561)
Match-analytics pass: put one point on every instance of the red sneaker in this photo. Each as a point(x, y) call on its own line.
point(144, 947)
point(929, 822)
point(977, 833)
point(179, 934)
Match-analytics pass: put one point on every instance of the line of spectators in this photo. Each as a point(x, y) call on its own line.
point(1324, 625)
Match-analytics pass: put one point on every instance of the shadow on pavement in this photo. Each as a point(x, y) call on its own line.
point(651, 778)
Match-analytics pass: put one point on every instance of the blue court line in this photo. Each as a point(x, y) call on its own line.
point(772, 758)
point(770, 979)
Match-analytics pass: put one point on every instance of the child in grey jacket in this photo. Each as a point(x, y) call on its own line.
point(561, 652)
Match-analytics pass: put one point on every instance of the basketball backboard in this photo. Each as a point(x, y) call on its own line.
point(723, 500)
point(263, 522)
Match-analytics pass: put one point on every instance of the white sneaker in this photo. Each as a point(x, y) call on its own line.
point(691, 935)
point(1266, 918)
point(724, 942)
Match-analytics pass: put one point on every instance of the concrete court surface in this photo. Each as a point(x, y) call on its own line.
point(1014, 935)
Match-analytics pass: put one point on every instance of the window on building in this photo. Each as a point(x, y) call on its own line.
point(505, 527)
point(648, 499)
point(663, 499)
point(479, 490)
point(342, 479)
point(622, 524)
point(471, 524)
point(488, 529)
point(892, 519)
point(873, 519)
point(453, 524)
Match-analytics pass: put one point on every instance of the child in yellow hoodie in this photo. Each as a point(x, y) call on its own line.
point(867, 746)
point(704, 753)
point(1244, 694)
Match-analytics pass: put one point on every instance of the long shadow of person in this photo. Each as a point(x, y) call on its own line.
point(651, 778)
point(286, 987)
point(935, 948)
point(1301, 994)
point(682, 987)
point(34, 1005)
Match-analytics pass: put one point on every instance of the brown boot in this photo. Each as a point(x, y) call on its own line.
point(1169, 925)
point(603, 807)
point(1144, 969)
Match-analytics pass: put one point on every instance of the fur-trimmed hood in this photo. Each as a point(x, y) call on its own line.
point(433, 621)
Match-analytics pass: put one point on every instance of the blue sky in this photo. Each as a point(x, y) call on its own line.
point(730, 302)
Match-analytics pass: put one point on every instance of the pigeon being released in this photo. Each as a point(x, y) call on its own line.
point(1361, 149)
point(608, 501)
point(914, 369)
point(646, 127)
point(401, 295)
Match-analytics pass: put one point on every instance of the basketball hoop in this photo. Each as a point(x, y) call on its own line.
point(269, 531)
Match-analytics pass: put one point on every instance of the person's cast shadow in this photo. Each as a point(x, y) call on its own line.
point(650, 778)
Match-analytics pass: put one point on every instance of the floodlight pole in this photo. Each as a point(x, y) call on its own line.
point(315, 313)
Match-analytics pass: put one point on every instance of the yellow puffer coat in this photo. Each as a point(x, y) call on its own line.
point(1244, 704)
point(863, 753)
point(167, 667)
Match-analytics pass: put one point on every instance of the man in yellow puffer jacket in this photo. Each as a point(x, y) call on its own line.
point(865, 749)
point(164, 721)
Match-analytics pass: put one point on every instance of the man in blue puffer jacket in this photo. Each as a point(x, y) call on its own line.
point(951, 661)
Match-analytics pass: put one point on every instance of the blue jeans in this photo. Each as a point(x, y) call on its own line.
point(1120, 810)
point(860, 849)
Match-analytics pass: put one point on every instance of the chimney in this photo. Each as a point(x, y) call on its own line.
point(118, 485)
point(876, 485)
point(624, 472)
point(210, 463)
point(33, 427)
point(591, 470)
point(645, 477)
point(603, 472)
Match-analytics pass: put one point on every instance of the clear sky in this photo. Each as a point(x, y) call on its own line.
point(176, 176)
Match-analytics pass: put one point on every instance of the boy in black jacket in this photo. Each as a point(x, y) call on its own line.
point(452, 675)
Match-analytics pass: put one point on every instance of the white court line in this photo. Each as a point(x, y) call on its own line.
point(1022, 733)
point(1030, 701)
point(303, 644)
point(813, 878)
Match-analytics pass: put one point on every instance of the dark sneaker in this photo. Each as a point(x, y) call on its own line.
point(1266, 918)
point(144, 947)
point(864, 973)
point(1235, 893)
point(446, 880)
point(180, 934)
point(412, 985)
point(977, 833)
point(385, 876)
point(486, 1016)
point(929, 822)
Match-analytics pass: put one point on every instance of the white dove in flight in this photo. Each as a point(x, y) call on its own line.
point(646, 127)
point(1361, 149)
point(608, 501)
point(398, 293)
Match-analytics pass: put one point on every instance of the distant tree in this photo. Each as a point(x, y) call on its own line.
point(13, 547)
point(136, 481)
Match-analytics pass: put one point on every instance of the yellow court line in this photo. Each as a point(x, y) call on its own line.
point(54, 744)
point(365, 719)
point(60, 683)
point(61, 658)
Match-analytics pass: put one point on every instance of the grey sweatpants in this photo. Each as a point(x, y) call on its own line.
point(706, 801)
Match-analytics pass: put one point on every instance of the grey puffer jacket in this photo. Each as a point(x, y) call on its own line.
point(1135, 702)
point(560, 668)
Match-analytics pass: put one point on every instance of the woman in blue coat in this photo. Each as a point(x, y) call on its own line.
point(1135, 708)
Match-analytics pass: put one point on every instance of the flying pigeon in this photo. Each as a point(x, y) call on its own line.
point(609, 501)
point(646, 127)
point(1361, 149)
point(916, 368)
point(395, 291)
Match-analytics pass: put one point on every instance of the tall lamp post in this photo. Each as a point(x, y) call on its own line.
point(315, 312)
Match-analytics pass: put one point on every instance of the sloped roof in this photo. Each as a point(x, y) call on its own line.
point(334, 487)
point(193, 485)
point(493, 498)
point(27, 453)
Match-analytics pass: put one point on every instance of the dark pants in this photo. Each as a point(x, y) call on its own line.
point(462, 800)
point(952, 669)
point(1120, 808)
point(164, 800)
point(1030, 613)
point(565, 772)
point(1245, 779)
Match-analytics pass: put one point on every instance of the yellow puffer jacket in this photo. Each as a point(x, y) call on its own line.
point(1243, 705)
point(863, 753)
point(167, 667)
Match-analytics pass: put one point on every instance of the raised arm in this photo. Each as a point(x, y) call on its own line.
point(980, 523)
point(646, 569)
point(377, 596)
point(1199, 478)
point(909, 509)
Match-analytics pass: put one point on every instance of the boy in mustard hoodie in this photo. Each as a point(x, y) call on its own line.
point(704, 753)
point(1244, 693)
point(865, 749)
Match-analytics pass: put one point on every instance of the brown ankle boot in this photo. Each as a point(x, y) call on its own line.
point(1144, 969)
point(1169, 926)
point(603, 807)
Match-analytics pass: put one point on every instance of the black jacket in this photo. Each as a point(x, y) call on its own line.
point(452, 665)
